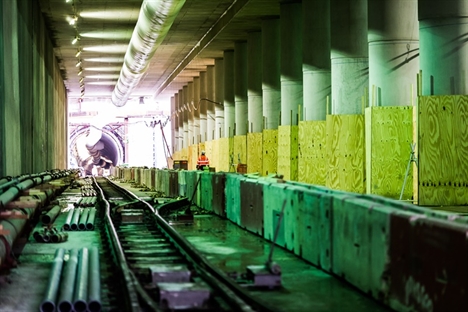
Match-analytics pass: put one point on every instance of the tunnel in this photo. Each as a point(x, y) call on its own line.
point(96, 150)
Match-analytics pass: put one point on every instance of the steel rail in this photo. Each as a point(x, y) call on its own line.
point(235, 294)
point(130, 283)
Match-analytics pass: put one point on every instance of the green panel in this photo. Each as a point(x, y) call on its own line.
point(198, 194)
point(206, 191)
point(314, 229)
point(182, 183)
point(233, 197)
point(273, 198)
point(2, 97)
point(361, 240)
point(191, 181)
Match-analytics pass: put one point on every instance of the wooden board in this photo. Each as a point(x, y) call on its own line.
point(389, 134)
point(312, 152)
point(345, 146)
point(254, 152)
point(224, 155)
point(209, 151)
point(192, 157)
point(270, 151)
point(215, 154)
point(287, 151)
point(443, 150)
point(240, 149)
point(184, 154)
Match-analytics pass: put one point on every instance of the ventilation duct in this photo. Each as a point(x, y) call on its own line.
point(155, 20)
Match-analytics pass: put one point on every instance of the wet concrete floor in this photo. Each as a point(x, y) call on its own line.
point(305, 287)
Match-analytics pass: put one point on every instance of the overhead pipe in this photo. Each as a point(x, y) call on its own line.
point(155, 20)
point(48, 304)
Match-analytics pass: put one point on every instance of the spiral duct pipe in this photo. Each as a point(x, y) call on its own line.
point(155, 20)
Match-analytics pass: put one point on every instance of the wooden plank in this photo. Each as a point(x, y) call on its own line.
point(224, 155)
point(388, 129)
point(215, 153)
point(443, 148)
point(270, 151)
point(287, 144)
point(345, 150)
point(209, 151)
point(240, 149)
point(312, 157)
point(254, 152)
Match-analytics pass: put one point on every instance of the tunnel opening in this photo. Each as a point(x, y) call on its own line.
point(97, 155)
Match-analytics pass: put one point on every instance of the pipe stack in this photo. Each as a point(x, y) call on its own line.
point(50, 235)
point(80, 219)
point(75, 285)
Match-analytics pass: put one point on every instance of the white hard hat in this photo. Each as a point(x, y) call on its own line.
point(203, 152)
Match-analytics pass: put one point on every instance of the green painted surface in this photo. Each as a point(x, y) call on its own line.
point(361, 238)
point(273, 198)
point(206, 191)
point(233, 197)
point(182, 183)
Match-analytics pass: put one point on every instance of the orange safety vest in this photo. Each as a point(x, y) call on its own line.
point(203, 161)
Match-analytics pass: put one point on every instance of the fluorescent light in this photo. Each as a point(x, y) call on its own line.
point(78, 64)
point(78, 53)
point(80, 72)
point(75, 40)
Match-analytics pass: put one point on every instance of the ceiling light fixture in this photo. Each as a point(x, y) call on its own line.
point(78, 53)
point(81, 79)
point(75, 40)
point(78, 64)
point(68, 1)
point(73, 20)
point(80, 72)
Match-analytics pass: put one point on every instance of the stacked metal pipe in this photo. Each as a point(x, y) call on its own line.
point(80, 219)
point(50, 235)
point(76, 285)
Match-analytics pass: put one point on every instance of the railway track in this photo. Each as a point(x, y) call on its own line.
point(157, 269)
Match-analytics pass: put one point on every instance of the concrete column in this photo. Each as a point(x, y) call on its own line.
point(229, 99)
point(210, 106)
point(271, 85)
point(176, 121)
point(186, 116)
point(219, 98)
point(254, 81)
point(203, 103)
point(291, 61)
point(443, 29)
point(349, 56)
point(393, 51)
point(196, 109)
point(316, 65)
point(240, 87)
point(189, 103)
point(180, 118)
point(174, 125)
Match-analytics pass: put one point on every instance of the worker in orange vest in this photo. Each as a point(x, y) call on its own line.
point(202, 161)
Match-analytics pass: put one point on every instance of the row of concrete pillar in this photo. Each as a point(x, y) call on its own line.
point(325, 56)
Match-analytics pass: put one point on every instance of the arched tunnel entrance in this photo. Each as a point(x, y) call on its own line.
point(96, 150)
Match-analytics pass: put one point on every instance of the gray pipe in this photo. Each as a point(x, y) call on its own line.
point(83, 220)
point(67, 225)
point(51, 215)
point(68, 282)
point(91, 217)
point(94, 292)
point(80, 299)
point(75, 219)
point(155, 20)
point(48, 304)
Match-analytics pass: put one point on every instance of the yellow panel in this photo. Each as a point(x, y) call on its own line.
point(388, 149)
point(443, 150)
point(254, 152)
point(345, 146)
point(270, 151)
point(214, 160)
point(193, 157)
point(223, 155)
point(287, 157)
point(184, 154)
point(312, 160)
point(240, 149)
point(209, 152)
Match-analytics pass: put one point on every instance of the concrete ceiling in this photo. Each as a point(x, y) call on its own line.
point(200, 33)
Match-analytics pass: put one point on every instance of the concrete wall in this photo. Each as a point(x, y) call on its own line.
point(33, 100)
